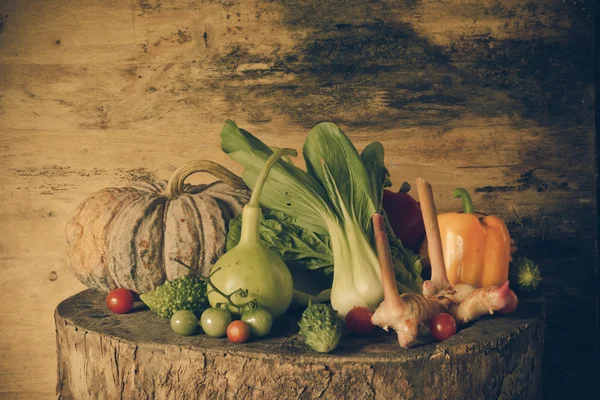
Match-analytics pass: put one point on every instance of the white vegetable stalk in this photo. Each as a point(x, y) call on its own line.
point(356, 272)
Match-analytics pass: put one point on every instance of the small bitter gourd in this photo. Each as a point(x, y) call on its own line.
point(184, 293)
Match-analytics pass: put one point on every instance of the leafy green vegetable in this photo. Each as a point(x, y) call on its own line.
point(298, 247)
point(320, 327)
point(407, 265)
point(332, 159)
point(337, 196)
point(288, 189)
point(379, 176)
point(184, 293)
point(527, 274)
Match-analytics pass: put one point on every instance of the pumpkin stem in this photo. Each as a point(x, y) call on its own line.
point(175, 185)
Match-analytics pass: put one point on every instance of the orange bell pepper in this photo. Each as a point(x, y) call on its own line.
point(476, 251)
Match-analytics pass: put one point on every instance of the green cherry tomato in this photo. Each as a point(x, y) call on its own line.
point(184, 323)
point(214, 321)
point(260, 321)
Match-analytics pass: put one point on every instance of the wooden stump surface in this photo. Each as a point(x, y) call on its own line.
point(137, 356)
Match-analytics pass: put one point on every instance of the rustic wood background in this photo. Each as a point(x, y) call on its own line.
point(495, 96)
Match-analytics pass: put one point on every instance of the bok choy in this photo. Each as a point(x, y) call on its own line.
point(336, 196)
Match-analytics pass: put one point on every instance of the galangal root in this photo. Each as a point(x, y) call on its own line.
point(403, 313)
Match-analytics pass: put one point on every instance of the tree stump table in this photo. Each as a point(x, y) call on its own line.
point(136, 356)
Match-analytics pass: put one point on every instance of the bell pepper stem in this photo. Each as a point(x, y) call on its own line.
point(466, 200)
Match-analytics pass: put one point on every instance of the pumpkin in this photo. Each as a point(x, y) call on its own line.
point(129, 237)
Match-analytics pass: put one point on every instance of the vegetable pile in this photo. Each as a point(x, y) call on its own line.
point(336, 196)
point(335, 242)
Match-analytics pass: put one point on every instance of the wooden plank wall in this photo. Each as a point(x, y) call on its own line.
point(494, 96)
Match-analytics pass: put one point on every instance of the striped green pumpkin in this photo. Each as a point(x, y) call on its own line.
point(129, 237)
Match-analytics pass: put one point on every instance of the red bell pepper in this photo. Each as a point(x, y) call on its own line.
point(405, 217)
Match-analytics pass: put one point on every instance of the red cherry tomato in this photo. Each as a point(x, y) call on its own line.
point(513, 301)
point(238, 332)
point(119, 301)
point(442, 326)
point(358, 321)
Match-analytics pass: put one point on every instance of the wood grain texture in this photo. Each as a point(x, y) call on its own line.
point(493, 96)
point(137, 356)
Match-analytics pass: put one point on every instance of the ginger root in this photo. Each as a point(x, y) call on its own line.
point(403, 313)
point(480, 302)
